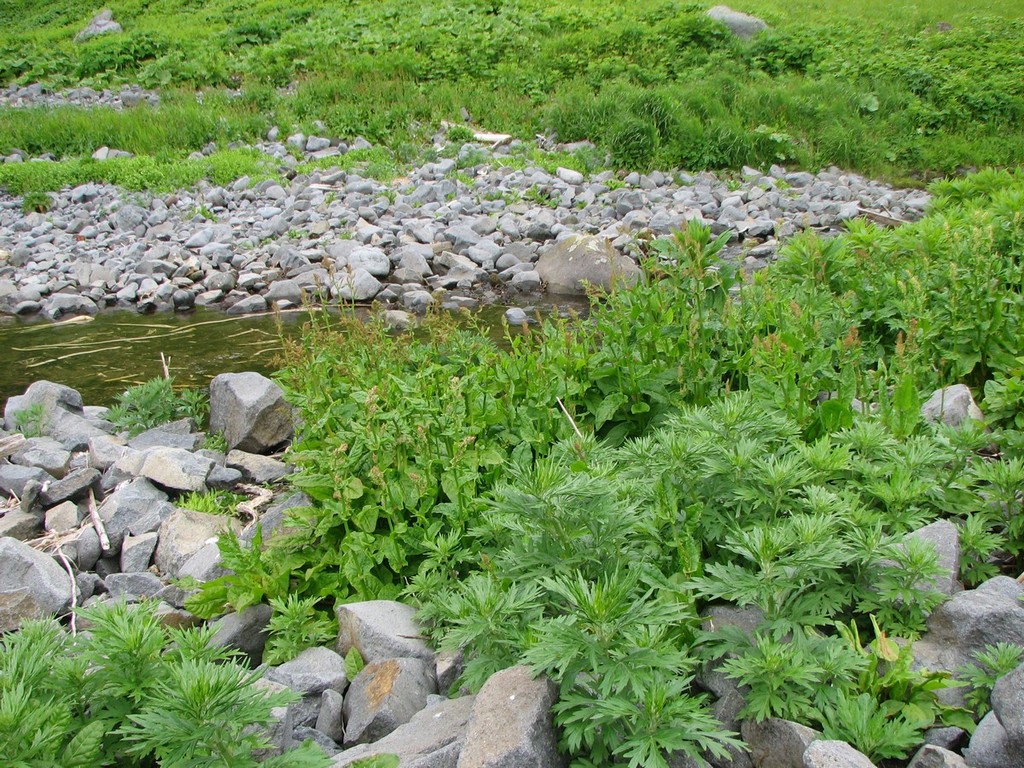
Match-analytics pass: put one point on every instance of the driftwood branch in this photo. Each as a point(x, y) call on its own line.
point(97, 523)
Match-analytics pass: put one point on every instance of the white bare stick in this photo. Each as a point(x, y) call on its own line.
point(74, 587)
point(166, 363)
point(94, 515)
point(570, 418)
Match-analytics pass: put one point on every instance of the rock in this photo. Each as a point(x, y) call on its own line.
point(101, 24)
point(1008, 704)
point(834, 754)
point(572, 264)
point(133, 585)
point(355, 285)
point(740, 24)
point(176, 469)
point(137, 552)
point(380, 629)
point(279, 730)
point(990, 747)
point(303, 733)
point(952, 406)
point(385, 695)
point(248, 306)
point(245, 631)
point(312, 672)
point(183, 534)
point(44, 453)
point(930, 756)
point(135, 508)
point(15, 478)
point(432, 739)
point(19, 525)
point(73, 486)
point(967, 622)
point(176, 434)
point(250, 411)
point(32, 585)
point(330, 720)
point(511, 725)
point(62, 518)
point(777, 743)
point(256, 468)
point(39, 403)
point(945, 537)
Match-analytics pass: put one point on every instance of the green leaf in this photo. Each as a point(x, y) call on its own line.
point(353, 663)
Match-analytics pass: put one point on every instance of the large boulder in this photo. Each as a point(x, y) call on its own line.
point(250, 411)
point(990, 746)
point(1008, 704)
point(385, 695)
point(777, 743)
point(511, 725)
point(834, 754)
point(575, 263)
point(952, 406)
point(101, 24)
point(183, 534)
point(32, 585)
point(176, 469)
point(380, 629)
point(743, 25)
point(312, 672)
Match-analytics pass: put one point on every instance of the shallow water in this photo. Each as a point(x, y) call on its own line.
point(104, 355)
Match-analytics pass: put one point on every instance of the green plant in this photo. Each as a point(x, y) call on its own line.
point(459, 134)
point(217, 502)
point(132, 692)
point(988, 666)
point(38, 202)
point(296, 625)
point(153, 403)
point(31, 421)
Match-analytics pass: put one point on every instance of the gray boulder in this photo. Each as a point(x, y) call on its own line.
point(32, 585)
point(571, 265)
point(72, 486)
point(330, 719)
point(101, 24)
point(176, 469)
point(432, 739)
point(511, 724)
point(740, 24)
point(134, 586)
point(245, 631)
point(931, 756)
point(966, 623)
point(952, 406)
point(39, 403)
point(385, 695)
point(23, 526)
point(14, 478)
point(250, 411)
point(312, 672)
point(990, 747)
point(256, 468)
point(137, 552)
point(183, 534)
point(777, 743)
point(380, 629)
point(135, 508)
point(1008, 704)
point(355, 284)
point(834, 754)
point(44, 453)
point(945, 537)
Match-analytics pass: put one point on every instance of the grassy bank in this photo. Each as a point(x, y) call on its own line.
point(903, 90)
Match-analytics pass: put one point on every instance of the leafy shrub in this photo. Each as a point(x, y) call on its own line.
point(982, 674)
point(153, 403)
point(132, 692)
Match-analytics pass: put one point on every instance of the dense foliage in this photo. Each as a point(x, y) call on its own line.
point(576, 494)
point(898, 90)
point(132, 692)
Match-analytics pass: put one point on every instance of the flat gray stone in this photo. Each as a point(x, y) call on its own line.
point(245, 631)
point(72, 487)
point(133, 585)
point(183, 534)
point(432, 739)
point(137, 552)
point(256, 468)
point(312, 672)
point(176, 469)
point(577, 262)
point(931, 756)
point(380, 629)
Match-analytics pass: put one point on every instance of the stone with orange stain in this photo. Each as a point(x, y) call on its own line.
point(385, 695)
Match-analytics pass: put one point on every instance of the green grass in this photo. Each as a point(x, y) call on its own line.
point(893, 89)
